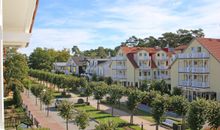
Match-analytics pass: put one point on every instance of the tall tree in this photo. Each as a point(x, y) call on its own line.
point(213, 114)
point(99, 92)
point(197, 114)
point(134, 98)
point(75, 50)
point(47, 99)
point(66, 111)
point(82, 120)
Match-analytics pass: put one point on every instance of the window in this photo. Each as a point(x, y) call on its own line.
point(163, 54)
point(199, 49)
point(166, 63)
point(192, 49)
point(139, 73)
point(140, 54)
point(158, 54)
point(149, 73)
point(145, 73)
point(145, 54)
point(140, 63)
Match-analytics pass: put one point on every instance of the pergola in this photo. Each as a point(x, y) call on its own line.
point(16, 23)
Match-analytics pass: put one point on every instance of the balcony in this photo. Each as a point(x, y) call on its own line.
point(144, 58)
point(162, 67)
point(199, 84)
point(162, 58)
point(194, 69)
point(193, 55)
point(144, 67)
point(119, 58)
point(164, 76)
point(194, 84)
point(119, 67)
point(119, 77)
point(145, 78)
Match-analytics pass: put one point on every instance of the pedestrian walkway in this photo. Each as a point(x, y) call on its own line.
point(123, 115)
point(54, 121)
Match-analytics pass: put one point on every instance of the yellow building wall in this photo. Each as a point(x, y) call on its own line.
point(174, 74)
point(131, 75)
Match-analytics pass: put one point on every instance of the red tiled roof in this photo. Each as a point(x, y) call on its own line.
point(131, 59)
point(181, 47)
point(153, 65)
point(212, 45)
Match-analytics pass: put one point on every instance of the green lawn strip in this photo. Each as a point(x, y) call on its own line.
point(102, 117)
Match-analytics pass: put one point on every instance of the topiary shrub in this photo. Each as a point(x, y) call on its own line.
point(80, 101)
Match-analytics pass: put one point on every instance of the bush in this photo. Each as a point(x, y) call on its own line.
point(80, 101)
point(17, 98)
point(63, 94)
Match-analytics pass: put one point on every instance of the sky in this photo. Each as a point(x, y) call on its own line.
point(92, 23)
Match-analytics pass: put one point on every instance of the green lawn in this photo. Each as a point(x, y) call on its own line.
point(101, 117)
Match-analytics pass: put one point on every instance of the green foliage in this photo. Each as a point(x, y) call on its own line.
point(180, 105)
point(100, 90)
point(177, 91)
point(213, 114)
point(144, 86)
point(15, 66)
point(44, 58)
point(109, 125)
point(150, 96)
point(47, 97)
point(160, 86)
point(109, 80)
point(99, 52)
point(27, 83)
point(17, 98)
point(82, 120)
point(159, 107)
point(181, 37)
point(197, 114)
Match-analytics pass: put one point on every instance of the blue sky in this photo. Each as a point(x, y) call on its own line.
point(91, 23)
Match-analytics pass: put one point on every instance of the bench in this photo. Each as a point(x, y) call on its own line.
point(168, 122)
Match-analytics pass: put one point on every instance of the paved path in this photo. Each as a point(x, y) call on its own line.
point(123, 115)
point(54, 121)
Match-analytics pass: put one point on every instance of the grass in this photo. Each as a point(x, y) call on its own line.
point(102, 117)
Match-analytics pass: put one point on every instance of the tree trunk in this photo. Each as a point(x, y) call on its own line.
point(67, 127)
point(131, 118)
point(183, 123)
point(47, 110)
point(112, 110)
point(157, 128)
point(36, 101)
point(87, 99)
point(97, 104)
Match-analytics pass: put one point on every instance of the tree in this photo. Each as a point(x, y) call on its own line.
point(144, 86)
point(177, 91)
point(134, 98)
point(109, 80)
point(115, 94)
point(75, 50)
point(99, 92)
point(159, 106)
point(88, 92)
point(161, 86)
point(66, 111)
point(37, 89)
point(150, 96)
point(82, 120)
point(109, 125)
point(180, 105)
point(213, 114)
point(47, 99)
point(27, 85)
point(17, 98)
point(197, 114)
point(15, 66)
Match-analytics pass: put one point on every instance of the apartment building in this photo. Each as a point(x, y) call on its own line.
point(133, 65)
point(197, 70)
point(76, 65)
point(99, 67)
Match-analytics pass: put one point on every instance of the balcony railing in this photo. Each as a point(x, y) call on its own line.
point(118, 58)
point(162, 67)
point(119, 76)
point(144, 58)
point(144, 67)
point(194, 55)
point(194, 69)
point(194, 84)
point(162, 77)
point(119, 67)
point(145, 78)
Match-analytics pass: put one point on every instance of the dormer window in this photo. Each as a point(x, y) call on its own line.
point(158, 54)
point(145, 54)
point(140, 54)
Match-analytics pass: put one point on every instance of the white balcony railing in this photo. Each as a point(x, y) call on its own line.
point(193, 84)
point(163, 77)
point(119, 67)
point(194, 69)
point(145, 78)
point(118, 58)
point(194, 55)
point(144, 58)
point(162, 58)
point(119, 77)
point(144, 67)
point(162, 67)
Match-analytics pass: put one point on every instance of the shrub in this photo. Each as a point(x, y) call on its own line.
point(17, 98)
point(80, 101)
